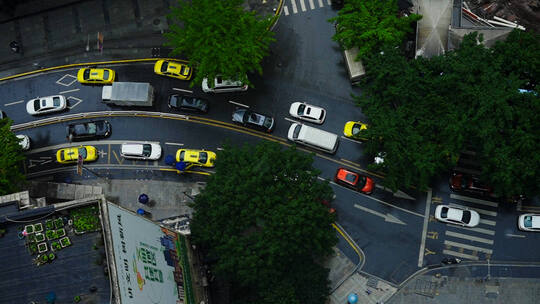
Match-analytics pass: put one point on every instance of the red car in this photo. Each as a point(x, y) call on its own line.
point(354, 180)
point(469, 183)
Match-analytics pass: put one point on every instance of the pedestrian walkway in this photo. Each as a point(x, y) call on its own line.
point(300, 6)
point(432, 32)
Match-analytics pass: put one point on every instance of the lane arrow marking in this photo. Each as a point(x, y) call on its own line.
point(398, 193)
point(387, 217)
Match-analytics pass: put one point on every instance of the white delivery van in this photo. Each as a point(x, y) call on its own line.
point(313, 137)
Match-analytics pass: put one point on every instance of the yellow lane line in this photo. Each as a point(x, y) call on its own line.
point(89, 64)
point(348, 241)
point(357, 167)
point(178, 171)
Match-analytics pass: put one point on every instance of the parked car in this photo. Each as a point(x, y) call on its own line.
point(529, 222)
point(188, 103)
point(142, 150)
point(354, 180)
point(2, 114)
point(307, 112)
point(458, 216)
point(173, 69)
point(24, 141)
point(88, 130)
point(223, 86)
point(47, 104)
point(71, 155)
point(353, 129)
point(254, 120)
point(469, 183)
point(197, 157)
point(95, 76)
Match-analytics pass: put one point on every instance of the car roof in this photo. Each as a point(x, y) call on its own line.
point(455, 214)
point(535, 221)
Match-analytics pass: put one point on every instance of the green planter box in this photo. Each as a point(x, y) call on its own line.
point(65, 242)
point(49, 224)
point(51, 235)
point(42, 247)
point(33, 248)
point(58, 223)
point(55, 245)
point(39, 237)
point(29, 229)
point(60, 233)
point(38, 227)
point(31, 238)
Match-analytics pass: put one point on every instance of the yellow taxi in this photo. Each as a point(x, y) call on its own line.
point(71, 154)
point(353, 129)
point(95, 76)
point(173, 69)
point(196, 157)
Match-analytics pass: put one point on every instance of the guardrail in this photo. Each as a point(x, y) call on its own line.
point(64, 118)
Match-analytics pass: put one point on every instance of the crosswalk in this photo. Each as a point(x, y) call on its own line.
point(471, 243)
point(313, 4)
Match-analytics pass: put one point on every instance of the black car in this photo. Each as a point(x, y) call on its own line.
point(254, 120)
point(188, 103)
point(88, 130)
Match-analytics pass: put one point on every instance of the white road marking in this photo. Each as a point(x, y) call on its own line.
point(534, 209)
point(387, 217)
point(173, 144)
point(46, 162)
point(515, 235)
point(320, 3)
point(424, 229)
point(474, 200)
point(238, 104)
point(294, 8)
point(311, 5)
point(481, 211)
point(69, 91)
point(286, 10)
point(182, 90)
point(220, 149)
point(59, 81)
point(476, 229)
point(468, 237)
point(487, 222)
point(45, 157)
point(328, 2)
point(12, 103)
point(33, 161)
point(76, 104)
point(302, 5)
point(350, 139)
point(469, 247)
point(461, 255)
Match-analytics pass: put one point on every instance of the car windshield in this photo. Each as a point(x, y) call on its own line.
point(203, 157)
point(267, 122)
point(189, 101)
point(147, 150)
point(296, 131)
point(36, 105)
point(164, 67)
point(82, 152)
point(105, 74)
point(86, 74)
point(466, 216)
point(351, 178)
point(56, 101)
point(444, 212)
point(527, 221)
point(301, 109)
point(356, 129)
point(184, 70)
point(182, 154)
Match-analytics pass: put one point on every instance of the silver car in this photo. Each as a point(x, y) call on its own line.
point(47, 104)
point(223, 86)
point(307, 112)
point(529, 222)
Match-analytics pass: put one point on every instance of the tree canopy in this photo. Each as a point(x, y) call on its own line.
point(262, 218)
point(424, 112)
point(370, 25)
point(11, 160)
point(219, 38)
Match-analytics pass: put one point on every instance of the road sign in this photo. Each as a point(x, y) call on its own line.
point(79, 164)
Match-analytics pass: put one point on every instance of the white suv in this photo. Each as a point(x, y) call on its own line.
point(143, 150)
point(223, 86)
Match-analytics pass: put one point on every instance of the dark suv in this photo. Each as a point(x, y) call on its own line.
point(469, 183)
point(88, 130)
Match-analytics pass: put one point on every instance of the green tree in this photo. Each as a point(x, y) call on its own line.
point(423, 113)
point(261, 215)
point(371, 24)
point(219, 38)
point(11, 160)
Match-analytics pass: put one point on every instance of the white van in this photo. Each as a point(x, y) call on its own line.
point(223, 86)
point(143, 150)
point(313, 137)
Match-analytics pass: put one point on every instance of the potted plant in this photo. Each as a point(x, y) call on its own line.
point(52, 256)
point(33, 248)
point(58, 223)
point(49, 224)
point(38, 227)
point(42, 247)
point(77, 299)
point(65, 242)
point(44, 258)
point(31, 238)
point(39, 237)
point(60, 232)
point(29, 229)
point(56, 245)
point(51, 235)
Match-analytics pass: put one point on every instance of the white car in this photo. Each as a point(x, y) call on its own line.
point(143, 150)
point(458, 216)
point(307, 112)
point(529, 222)
point(47, 104)
point(223, 86)
point(24, 141)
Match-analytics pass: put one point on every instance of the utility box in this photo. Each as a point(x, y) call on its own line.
point(355, 68)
